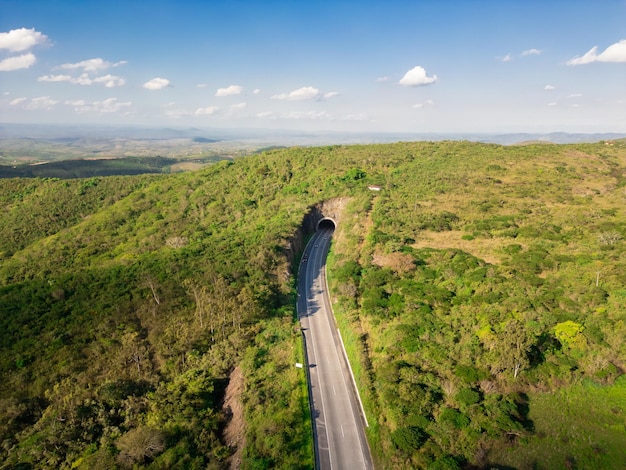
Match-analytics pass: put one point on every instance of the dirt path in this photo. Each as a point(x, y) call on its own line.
point(234, 433)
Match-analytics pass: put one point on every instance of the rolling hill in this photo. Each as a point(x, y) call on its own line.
point(480, 286)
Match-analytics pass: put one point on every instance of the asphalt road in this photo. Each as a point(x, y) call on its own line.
point(339, 432)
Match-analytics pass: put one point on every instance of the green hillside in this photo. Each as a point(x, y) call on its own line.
point(476, 289)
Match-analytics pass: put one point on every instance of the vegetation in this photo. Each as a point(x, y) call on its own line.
point(480, 285)
point(81, 168)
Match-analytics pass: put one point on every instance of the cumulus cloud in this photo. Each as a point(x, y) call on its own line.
point(549, 87)
point(305, 93)
point(23, 61)
point(507, 58)
point(614, 53)
point(109, 81)
point(42, 102)
point(22, 39)
point(256, 91)
point(110, 105)
point(209, 110)
point(531, 52)
point(92, 65)
point(229, 90)
point(17, 101)
point(417, 77)
point(265, 114)
point(156, 84)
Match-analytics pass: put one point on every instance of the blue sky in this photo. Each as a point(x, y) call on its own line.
point(394, 66)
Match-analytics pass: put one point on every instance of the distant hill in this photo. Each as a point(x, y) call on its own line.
point(281, 137)
point(81, 168)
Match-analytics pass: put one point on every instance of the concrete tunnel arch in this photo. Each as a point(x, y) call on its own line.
point(326, 223)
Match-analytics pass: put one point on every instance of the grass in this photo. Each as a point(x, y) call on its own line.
point(582, 426)
point(304, 404)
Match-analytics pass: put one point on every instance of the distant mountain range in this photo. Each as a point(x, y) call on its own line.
point(67, 133)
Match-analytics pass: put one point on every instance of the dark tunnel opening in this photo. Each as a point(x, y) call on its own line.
point(326, 224)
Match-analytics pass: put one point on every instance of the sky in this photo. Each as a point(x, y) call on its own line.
point(317, 65)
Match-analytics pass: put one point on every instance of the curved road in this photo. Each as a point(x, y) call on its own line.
point(338, 429)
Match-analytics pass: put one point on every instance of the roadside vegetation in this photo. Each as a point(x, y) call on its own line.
point(479, 285)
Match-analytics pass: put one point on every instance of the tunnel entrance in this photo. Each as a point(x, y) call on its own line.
point(326, 223)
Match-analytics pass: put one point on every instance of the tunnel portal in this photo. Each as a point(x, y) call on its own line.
point(326, 223)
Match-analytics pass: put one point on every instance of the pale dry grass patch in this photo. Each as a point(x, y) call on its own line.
point(487, 249)
point(187, 166)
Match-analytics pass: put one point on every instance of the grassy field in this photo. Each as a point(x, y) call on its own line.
point(580, 427)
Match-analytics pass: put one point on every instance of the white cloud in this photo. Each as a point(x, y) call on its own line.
point(156, 84)
point(238, 106)
point(92, 65)
point(229, 90)
point(417, 77)
point(531, 52)
point(209, 110)
point(22, 39)
point(312, 115)
point(305, 93)
point(55, 78)
point(507, 58)
point(76, 102)
point(614, 53)
point(355, 117)
point(17, 101)
point(176, 113)
point(549, 87)
point(202, 85)
point(18, 62)
point(383, 79)
point(256, 91)
point(552, 103)
point(265, 114)
point(109, 80)
point(110, 105)
point(42, 102)
point(421, 105)
point(575, 95)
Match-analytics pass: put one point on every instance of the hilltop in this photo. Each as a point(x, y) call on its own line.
point(478, 287)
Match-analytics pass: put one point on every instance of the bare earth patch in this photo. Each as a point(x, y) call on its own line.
point(234, 433)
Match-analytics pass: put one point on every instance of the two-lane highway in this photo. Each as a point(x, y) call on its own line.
point(340, 441)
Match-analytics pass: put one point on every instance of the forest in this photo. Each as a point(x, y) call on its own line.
point(481, 294)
